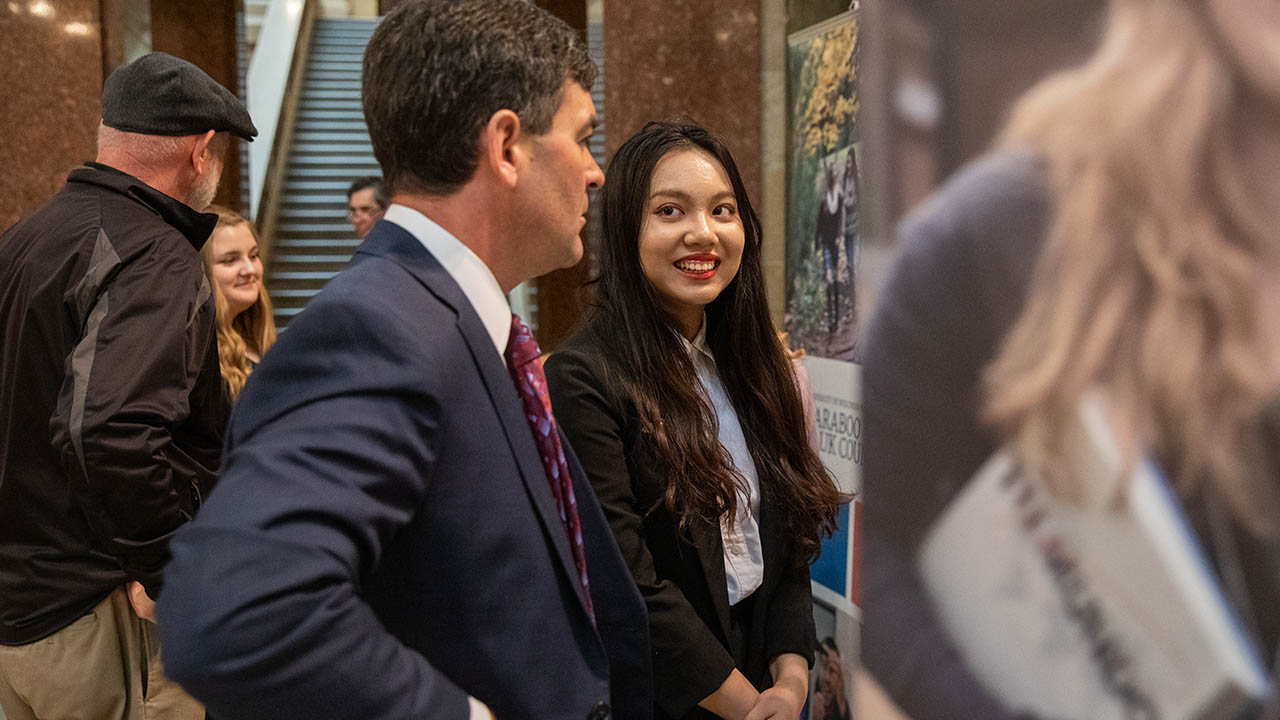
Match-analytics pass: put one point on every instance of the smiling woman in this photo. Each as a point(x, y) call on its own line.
point(680, 402)
point(691, 237)
point(245, 324)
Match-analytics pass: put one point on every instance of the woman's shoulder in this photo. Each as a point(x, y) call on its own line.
point(1003, 195)
point(968, 253)
point(580, 353)
point(577, 377)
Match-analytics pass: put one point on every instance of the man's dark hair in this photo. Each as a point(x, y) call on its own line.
point(379, 189)
point(435, 71)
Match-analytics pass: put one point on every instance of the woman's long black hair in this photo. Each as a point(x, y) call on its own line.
point(646, 359)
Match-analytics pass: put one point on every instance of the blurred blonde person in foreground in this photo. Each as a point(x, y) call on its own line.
point(246, 327)
point(1126, 238)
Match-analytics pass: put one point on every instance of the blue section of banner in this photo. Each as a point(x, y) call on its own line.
point(831, 569)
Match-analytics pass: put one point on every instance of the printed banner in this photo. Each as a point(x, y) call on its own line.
point(821, 317)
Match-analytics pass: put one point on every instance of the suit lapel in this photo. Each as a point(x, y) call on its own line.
point(710, 545)
point(707, 540)
point(502, 392)
point(397, 244)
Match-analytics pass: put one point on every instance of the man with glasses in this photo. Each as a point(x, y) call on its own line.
point(366, 202)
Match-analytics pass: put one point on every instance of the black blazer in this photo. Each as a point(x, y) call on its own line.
point(681, 576)
point(384, 541)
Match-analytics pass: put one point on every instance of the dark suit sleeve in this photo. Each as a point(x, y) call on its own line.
point(332, 451)
point(689, 663)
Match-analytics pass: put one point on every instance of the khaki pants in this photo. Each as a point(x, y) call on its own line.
point(104, 666)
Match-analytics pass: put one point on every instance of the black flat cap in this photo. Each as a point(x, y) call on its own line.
point(159, 94)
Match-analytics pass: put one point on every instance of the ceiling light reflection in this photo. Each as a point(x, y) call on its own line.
point(40, 8)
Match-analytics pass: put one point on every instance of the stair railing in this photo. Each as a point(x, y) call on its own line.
point(274, 83)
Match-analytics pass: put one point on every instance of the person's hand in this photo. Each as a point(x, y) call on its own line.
point(143, 606)
point(783, 701)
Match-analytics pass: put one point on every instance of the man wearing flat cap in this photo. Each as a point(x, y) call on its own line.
point(111, 401)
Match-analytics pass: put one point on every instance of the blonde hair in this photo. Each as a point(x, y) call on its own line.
point(252, 329)
point(1147, 284)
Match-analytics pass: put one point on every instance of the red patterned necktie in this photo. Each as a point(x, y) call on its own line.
point(526, 370)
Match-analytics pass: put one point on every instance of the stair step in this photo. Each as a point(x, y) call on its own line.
point(314, 98)
point(305, 214)
point(351, 106)
point(294, 200)
point(343, 249)
point(354, 28)
point(283, 316)
point(330, 235)
point(344, 117)
point(329, 64)
point(337, 228)
point(289, 294)
point(352, 51)
point(345, 122)
point(316, 74)
point(346, 85)
point(316, 188)
point(331, 159)
point(342, 35)
point(332, 264)
point(360, 137)
point(342, 239)
point(331, 147)
point(339, 175)
point(298, 280)
point(342, 40)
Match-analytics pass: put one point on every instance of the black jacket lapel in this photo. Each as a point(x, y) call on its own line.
point(710, 545)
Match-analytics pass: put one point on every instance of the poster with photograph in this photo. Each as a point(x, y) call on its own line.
point(822, 213)
point(821, 317)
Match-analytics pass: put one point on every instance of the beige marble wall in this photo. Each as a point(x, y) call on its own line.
point(51, 57)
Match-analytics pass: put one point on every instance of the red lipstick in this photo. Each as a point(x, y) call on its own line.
point(700, 266)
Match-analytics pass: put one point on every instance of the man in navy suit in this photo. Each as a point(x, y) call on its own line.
point(390, 537)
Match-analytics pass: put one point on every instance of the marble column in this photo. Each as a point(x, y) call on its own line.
point(701, 60)
point(51, 56)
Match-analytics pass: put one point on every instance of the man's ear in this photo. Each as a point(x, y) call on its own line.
point(202, 152)
point(503, 151)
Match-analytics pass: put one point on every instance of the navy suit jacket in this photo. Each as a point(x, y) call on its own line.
point(383, 541)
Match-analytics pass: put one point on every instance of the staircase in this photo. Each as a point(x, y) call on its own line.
point(331, 147)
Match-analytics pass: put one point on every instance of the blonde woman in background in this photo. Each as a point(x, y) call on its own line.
point(1126, 237)
point(246, 327)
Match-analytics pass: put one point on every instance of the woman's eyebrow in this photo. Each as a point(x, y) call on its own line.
point(670, 192)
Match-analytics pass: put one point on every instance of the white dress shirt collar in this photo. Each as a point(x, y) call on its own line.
point(465, 267)
point(699, 342)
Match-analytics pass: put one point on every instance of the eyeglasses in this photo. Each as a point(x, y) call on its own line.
point(362, 211)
